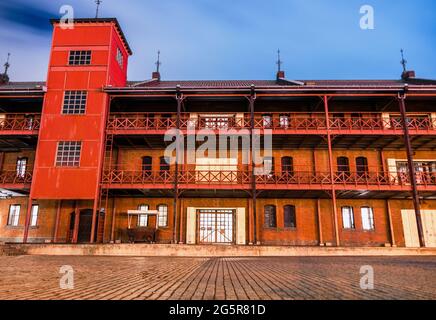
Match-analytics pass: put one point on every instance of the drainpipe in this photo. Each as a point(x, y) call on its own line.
point(329, 143)
point(412, 172)
point(179, 98)
point(252, 100)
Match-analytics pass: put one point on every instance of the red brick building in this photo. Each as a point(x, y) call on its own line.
point(82, 155)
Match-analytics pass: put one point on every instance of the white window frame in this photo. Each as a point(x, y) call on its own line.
point(163, 216)
point(14, 215)
point(367, 215)
point(21, 167)
point(34, 215)
point(120, 58)
point(143, 218)
point(348, 221)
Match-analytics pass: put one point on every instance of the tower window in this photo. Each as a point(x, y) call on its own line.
point(74, 102)
point(120, 58)
point(68, 154)
point(80, 58)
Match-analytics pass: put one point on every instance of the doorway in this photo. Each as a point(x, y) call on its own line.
point(85, 226)
point(216, 226)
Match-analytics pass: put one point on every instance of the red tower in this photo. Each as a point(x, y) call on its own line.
point(84, 59)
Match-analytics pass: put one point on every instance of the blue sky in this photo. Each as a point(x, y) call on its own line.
point(238, 39)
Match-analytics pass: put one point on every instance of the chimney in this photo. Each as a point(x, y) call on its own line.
point(280, 75)
point(155, 75)
point(406, 75)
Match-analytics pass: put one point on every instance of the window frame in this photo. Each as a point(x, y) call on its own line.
point(34, 217)
point(351, 218)
point(120, 58)
point(19, 167)
point(14, 218)
point(272, 222)
point(165, 217)
point(143, 216)
point(60, 162)
point(293, 215)
point(370, 219)
point(80, 57)
point(74, 106)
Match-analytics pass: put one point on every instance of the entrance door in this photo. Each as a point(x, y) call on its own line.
point(85, 226)
point(216, 226)
point(429, 224)
point(410, 229)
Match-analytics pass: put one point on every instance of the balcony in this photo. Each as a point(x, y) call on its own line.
point(12, 179)
point(20, 124)
point(292, 123)
point(216, 179)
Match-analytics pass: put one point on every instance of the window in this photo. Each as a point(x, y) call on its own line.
point(284, 121)
point(348, 218)
point(164, 164)
point(270, 217)
point(267, 121)
point(80, 58)
point(147, 164)
point(21, 167)
point(120, 58)
point(163, 215)
point(143, 218)
point(74, 102)
point(68, 154)
point(361, 166)
point(290, 217)
point(287, 166)
point(34, 216)
point(14, 215)
point(268, 164)
point(367, 218)
point(343, 165)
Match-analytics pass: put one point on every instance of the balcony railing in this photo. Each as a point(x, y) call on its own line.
point(291, 123)
point(228, 179)
point(14, 178)
point(20, 122)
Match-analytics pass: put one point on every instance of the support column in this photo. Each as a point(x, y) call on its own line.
point(318, 208)
point(412, 173)
point(57, 222)
point(182, 204)
point(391, 225)
point(329, 143)
point(252, 100)
point(179, 98)
point(27, 221)
point(76, 223)
point(114, 215)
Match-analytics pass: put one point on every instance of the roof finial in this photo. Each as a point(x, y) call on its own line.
point(403, 61)
point(158, 63)
point(279, 61)
point(98, 3)
point(7, 65)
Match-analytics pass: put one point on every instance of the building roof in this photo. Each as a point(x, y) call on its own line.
point(23, 86)
point(102, 20)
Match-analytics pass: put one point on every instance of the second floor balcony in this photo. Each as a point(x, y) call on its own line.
point(279, 123)
point(19, 124)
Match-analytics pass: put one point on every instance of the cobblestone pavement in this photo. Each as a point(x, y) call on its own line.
point(38, 277)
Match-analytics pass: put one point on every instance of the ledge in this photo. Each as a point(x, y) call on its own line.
point(145, 250)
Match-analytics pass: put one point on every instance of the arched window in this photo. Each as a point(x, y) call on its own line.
point(164, 164)
point(288, 165)
point(269, 164)
point(270, 217)
point(290, 217)
point(163, 215)
point(343, 165)
point(143, 219)
point(361, 166)
point(147, 163)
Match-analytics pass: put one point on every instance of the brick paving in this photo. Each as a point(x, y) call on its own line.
point(127, 278)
